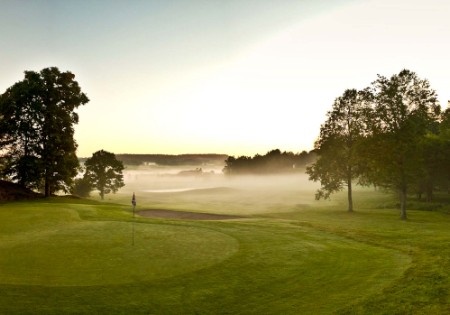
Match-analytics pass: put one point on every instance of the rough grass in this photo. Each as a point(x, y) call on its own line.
point(292, 256)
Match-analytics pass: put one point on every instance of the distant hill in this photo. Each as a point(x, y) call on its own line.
point(171, 160)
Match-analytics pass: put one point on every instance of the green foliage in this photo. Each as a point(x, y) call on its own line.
point(388, 136)
point(405, 110)
point(26, 170)
point(435, 153)
point(338, 163)
point(81, 187)
point(322, 170)
point(36, 127)
point(104, 172)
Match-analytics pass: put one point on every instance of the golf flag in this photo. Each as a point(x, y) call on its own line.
point(133, 200)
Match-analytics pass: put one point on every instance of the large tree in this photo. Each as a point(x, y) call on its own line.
point(405, 110)
point(20, 129)
point(337, 165)
point(104, 172)
point(37, 116)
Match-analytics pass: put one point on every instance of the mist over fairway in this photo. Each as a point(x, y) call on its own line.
point(211, 191)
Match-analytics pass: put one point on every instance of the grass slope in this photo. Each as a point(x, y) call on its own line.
point(75, 256)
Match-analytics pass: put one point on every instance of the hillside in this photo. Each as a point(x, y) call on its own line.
point(10, 191)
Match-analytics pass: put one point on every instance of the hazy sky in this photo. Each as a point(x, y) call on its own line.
point(206, 76)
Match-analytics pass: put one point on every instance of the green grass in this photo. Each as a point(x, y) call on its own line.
point(290, 255)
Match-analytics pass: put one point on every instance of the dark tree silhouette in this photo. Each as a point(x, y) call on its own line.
point(81, 187)
point(274, 161)
point(338, 164)
point(104, 172)
point(36, 129)
point(436, 157)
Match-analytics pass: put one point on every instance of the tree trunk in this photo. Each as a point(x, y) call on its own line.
point(349, 194)
point(47, 187)
point(403, 202)
point(429, 191)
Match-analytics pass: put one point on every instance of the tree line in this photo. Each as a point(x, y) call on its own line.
point(171, 159)
point(391, 134)
point(37, 147)
point(274, 161)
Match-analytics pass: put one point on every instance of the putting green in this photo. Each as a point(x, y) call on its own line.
point(99, 253)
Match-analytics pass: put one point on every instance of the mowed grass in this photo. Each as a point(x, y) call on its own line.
point(80, 252)
point(289, 255)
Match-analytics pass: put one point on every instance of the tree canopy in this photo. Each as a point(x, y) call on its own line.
point(405, 111)
point(387, 135)
point(338, 163)
point(36, 129)
point(104, 172)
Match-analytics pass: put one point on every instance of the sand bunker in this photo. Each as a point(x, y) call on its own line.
point(183, 215)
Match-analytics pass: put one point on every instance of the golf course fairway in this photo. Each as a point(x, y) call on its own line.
point(75, 256)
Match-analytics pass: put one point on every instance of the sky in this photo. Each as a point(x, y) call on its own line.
point(237, 77)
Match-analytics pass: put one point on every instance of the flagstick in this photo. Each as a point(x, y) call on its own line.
point(133, 202)
point(133, 226)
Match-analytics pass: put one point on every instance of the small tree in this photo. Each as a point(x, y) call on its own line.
point(81, 187)
point(104, 172)
point(337, 165)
